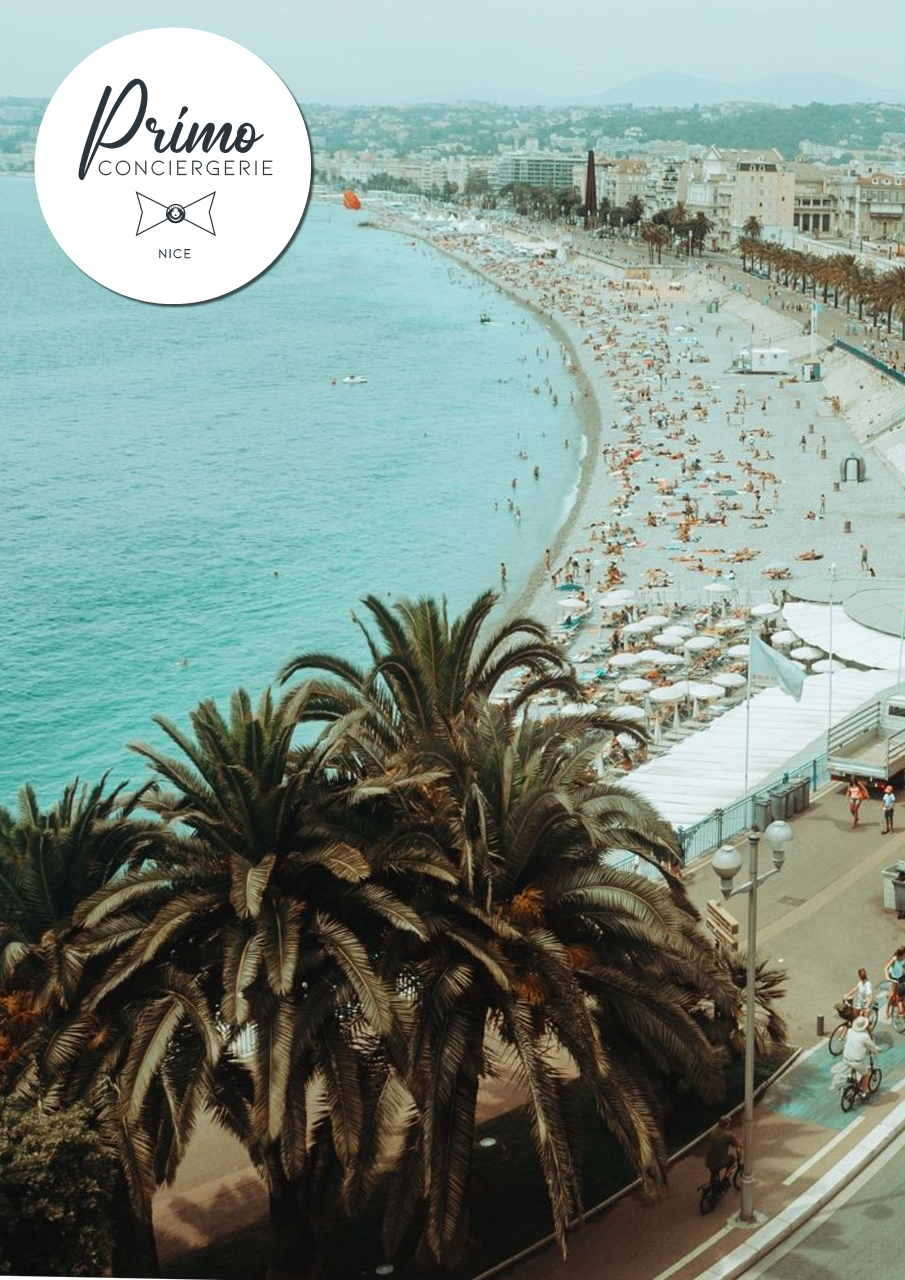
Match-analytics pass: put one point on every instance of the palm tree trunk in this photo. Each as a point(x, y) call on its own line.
point(134, 1245)
point(293, 1252)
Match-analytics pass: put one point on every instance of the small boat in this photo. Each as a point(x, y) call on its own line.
point(485, 318)
point(354, 377)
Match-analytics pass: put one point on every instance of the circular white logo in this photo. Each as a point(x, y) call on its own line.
point(173, 166)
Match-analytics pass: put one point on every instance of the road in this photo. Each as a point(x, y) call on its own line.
point(858, 1234)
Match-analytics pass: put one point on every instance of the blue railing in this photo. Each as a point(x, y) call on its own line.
point(871, 360)
point(722, 824)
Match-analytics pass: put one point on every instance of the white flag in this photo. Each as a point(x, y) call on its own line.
point(766, 666)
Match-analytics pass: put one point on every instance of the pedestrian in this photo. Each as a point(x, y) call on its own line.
point(857, 794)
point(803, 444)
point(547, 559)
point(889, 808)
point(864, 557)
point(822, 505)
point(503, 573)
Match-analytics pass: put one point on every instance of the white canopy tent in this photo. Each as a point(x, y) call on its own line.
point(851, 640)
point(706, 770)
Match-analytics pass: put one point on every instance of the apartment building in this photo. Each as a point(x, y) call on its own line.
point(730, 186)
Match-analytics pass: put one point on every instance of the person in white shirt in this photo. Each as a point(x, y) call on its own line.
point(858, 1048)
point(862, 993)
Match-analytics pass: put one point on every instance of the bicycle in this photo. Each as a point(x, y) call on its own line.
point(836, 1041)
point(713, 1191)
point(851, 1088)
point(897, 1017)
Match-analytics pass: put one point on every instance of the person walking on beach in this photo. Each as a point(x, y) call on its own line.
point(857, 794)
point(865, 564)
point(889, 809)
point(547, 560)
point(503, 573)
point(803, 444)
point(822, 505)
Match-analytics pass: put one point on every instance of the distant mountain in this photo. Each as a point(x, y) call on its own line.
point(671, 89)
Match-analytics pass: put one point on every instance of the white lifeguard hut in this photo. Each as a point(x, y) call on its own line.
point(762, 360)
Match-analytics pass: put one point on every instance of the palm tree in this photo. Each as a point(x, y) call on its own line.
point(566, 963)
point(540, 942)
point(634, 210)
point(115, 1052)
point(890, 293)
point(701, 226)
point(753, 227)
point(770, 1029)
point(260, 891)
point(649, 234)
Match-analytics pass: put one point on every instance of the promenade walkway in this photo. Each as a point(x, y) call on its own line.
point(821, 918)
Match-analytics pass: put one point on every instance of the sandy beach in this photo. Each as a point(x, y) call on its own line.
point(693, 472)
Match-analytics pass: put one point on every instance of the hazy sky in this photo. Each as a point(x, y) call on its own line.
point(439, 50)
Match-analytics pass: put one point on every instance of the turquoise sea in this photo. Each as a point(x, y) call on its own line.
point(186, 500)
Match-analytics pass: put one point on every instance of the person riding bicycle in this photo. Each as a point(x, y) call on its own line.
point(859, 999)
point(724, 1152)
point(858, 1048)
point(894, 972)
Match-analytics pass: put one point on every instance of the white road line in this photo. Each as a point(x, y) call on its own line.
point(827, 1147)
point(806, 1229)
point(695, 1253)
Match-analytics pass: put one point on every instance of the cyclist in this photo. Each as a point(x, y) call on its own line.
point(724, 1152)
point(895, 975)
point(861, 995)
point(858, 1048)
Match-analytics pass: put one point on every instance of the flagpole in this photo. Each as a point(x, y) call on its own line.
point(748, 721)
point(829, 710)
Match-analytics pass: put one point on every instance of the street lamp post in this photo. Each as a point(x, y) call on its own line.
point(727, 863)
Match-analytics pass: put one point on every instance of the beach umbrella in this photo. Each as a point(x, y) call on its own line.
point(640, 628)
point(697, 644)
point(825, 664)
point(719, 588)
point(766, 610)
point(669, 693)
point(806, 653)
point(625, 660)
point(731, 624)
point(737, 651)
point(706, 690)
point(671, 660)
point(634, 684)
point(619, 596)
point(783, 639)
point(670, 639)
point(729, 680)
point(629, 713)
point(656, 620)
point(680, 629)
point(653, 655)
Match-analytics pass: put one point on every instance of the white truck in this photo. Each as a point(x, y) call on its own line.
point(869, 743)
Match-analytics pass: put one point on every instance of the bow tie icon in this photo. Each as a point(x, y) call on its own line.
point(153, 213)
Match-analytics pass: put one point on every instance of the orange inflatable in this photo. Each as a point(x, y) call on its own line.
point(351, 200)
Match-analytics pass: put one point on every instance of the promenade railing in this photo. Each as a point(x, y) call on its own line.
point(871, 360)
point(722, 824)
